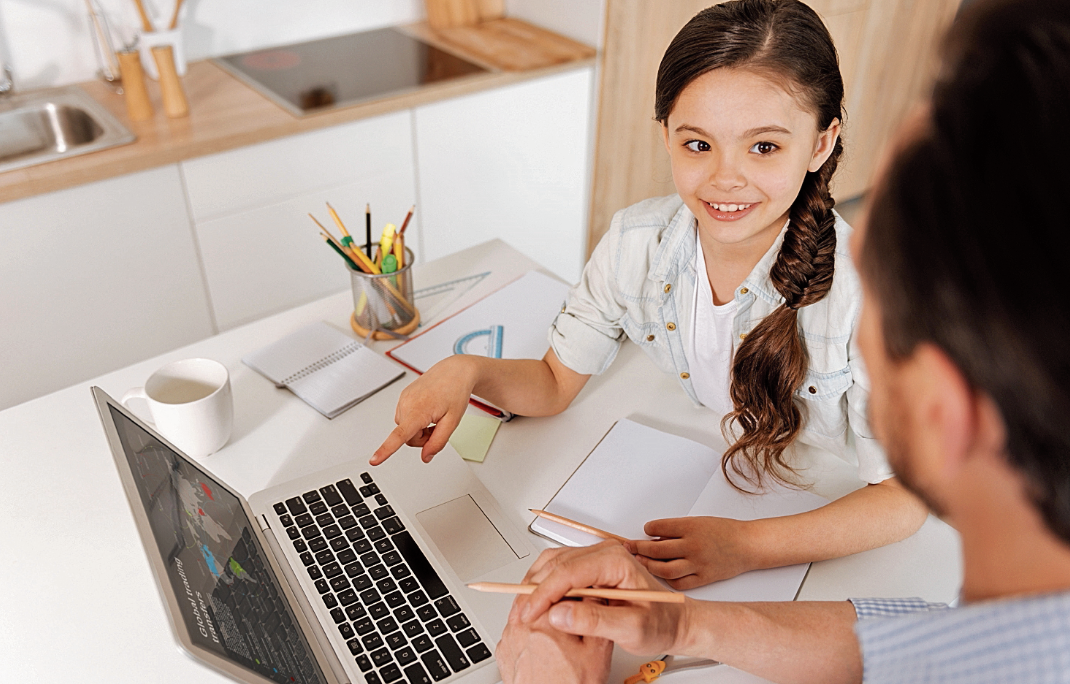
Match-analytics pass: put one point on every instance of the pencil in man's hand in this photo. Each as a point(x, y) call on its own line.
point(577, 525)
point(591, 592)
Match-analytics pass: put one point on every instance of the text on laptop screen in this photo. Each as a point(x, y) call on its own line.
point(229, 597)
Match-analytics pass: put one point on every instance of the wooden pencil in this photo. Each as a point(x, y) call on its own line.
point(578, 525)
point(405, 223)
point(593, 592)
point(368, 229)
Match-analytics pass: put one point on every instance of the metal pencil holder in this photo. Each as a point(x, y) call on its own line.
point(383, 303)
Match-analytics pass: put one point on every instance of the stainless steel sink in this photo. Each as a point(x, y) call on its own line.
point(46, 125)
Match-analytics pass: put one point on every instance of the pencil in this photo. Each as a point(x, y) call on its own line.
point(341, 253)
point(354, 254)
point(368, 229)
point(337, 220)
point(578, 526)
point(408, 217)
point(614, 594)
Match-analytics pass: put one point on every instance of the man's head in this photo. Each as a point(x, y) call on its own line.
point(964, 259)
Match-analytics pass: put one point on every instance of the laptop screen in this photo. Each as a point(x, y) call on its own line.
point(230, 599)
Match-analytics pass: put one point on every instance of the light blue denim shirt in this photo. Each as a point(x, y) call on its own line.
point(640, 283)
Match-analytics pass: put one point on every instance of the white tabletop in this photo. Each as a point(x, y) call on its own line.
point(77, 596)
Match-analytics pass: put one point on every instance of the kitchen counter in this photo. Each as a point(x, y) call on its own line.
point(226, 114)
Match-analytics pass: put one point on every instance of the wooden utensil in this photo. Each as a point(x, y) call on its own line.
point(174, 99)
point(136, 94)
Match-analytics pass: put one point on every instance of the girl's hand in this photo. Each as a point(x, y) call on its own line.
point(430, 409)
point(694, 551)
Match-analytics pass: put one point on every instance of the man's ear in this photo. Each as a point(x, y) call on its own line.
point(826, 142)
point(944, 407)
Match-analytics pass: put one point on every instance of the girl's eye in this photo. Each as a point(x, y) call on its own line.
point(763, 148)
point(697, 146)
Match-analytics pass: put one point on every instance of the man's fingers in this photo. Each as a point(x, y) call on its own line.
point(671, 570)
point(622, 624)
point(665, 549)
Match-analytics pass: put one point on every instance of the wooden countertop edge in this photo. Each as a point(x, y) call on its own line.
point(221, 107)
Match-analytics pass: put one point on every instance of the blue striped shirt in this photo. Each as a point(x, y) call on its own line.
point(1007, 640)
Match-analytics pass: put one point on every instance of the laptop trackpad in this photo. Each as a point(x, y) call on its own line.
point(466, 537)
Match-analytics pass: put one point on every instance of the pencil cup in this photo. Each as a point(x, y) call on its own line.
point(383, 303)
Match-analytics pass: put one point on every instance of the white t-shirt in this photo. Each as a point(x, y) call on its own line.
point(709, 346)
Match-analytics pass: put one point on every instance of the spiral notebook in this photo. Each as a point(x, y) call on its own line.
point(323, 366)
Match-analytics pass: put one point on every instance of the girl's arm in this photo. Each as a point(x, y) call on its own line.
point(430, 409)
point(698, 550)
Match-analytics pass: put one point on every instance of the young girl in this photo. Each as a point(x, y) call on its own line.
point(740, 284)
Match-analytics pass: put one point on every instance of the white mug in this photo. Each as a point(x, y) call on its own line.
point(190, 403)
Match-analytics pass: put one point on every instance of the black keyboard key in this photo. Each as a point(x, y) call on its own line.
point(375, 533)
point(387, 625)
point(324, 519)
point(404, 614)
point(353, 569)
point(314, 572)
point(293, 533)
point(364, 626)
point(349, 492)
point(296, 506)
point(303, 520)
point(372, 678)
point(380, 499)
point(332, 569)
point(369, 559)
point(356, 611)
point(415, 674)
point(309, 497)
point(418, 598)
point(317, 508)
point(435, 665)
point(347, 597)
point(391, 558)
point(384, 512)
point(340, 510)
point(436, 627)
point(458, 622)
point(386, 585)
point(400, 571)
point(346, 522)
point(409, 585)
point(345, 630)
point(393, 525)
point(317, 544)
point(381, 657)
point(396, 640)
point(280, 508)
point(361, 510)
point(446, 605)
point(371, 642)
point(404, 656)
point(422, 643)
point(412, 628)
point(306, 559)
point(369, 489)
point(384, 546)
point(299, 544)
point(329, 600)
point(361, 545)
point(339, 583)
point(325, 556)
point(364, 663)
point(420, 566)
point(311, 532)
point(331, 495)
point(452, 652)
point(354, 534)
point(332, 531)
point(379, 611)
point(321, 586)
point(369, 596)
point(394, 599)
point(467, 638)
point(366, 478)
point(367, 521)
point(346, 556)
point(354, 646)
point(390, 673)
point(478, 653)
point(338, 615)
point(340, 544)
point(362, 582)
point(426, 612)
point(378, 572)
point(286, 521)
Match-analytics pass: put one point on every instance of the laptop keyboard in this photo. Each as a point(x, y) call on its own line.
point(384, 597)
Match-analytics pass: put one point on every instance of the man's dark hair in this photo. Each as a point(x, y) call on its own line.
point(969, 235)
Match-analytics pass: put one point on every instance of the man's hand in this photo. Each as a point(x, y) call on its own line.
point(430, 409)
point(638, 627)
point(537, 653)
point(694, 551)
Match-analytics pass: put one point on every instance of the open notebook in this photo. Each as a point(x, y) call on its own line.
point(637, 474)
point(326, 368)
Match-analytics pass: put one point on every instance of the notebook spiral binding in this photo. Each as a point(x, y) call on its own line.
point(323, 363)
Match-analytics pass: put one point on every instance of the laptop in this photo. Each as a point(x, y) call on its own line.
point(352, 574)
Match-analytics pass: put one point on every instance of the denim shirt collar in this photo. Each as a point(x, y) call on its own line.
point(677, 251)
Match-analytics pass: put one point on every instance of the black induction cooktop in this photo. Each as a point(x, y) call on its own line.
point(337, 72)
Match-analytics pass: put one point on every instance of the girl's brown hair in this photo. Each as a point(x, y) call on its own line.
point(786, 41)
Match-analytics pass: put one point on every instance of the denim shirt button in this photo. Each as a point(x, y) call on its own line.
point(811, 389)
point(649, 338)
point(743, 336)
point(668, 287)
point(685, 375)
point(743, 290)
point(670, 325)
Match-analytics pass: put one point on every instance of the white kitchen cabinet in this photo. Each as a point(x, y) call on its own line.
point(510, 163)
point(95, 278)
point(260, 250)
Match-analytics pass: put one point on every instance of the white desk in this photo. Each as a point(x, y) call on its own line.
point(77, 597)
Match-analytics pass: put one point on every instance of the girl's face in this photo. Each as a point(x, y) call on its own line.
point(740, 146)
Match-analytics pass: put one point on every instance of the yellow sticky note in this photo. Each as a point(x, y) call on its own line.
point(473, 436)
